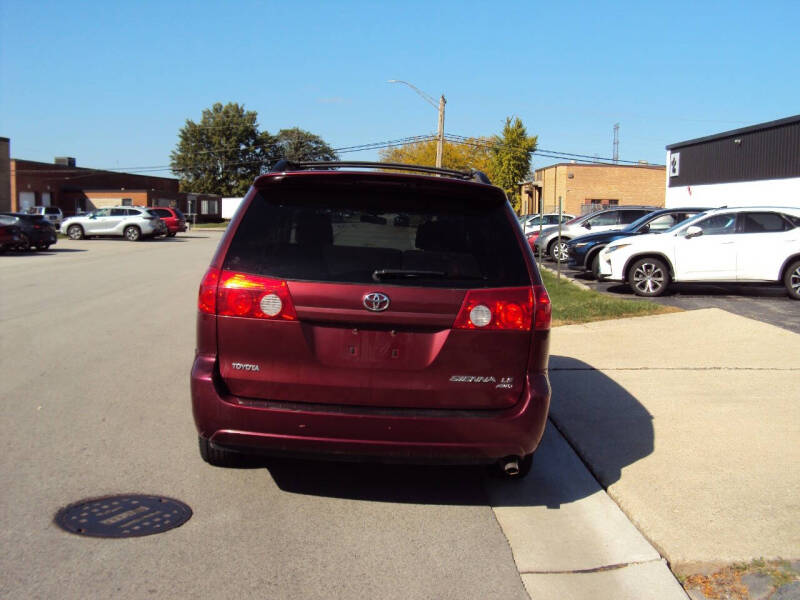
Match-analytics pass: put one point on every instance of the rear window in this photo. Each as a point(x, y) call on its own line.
point(364, 235)
point(52, 210)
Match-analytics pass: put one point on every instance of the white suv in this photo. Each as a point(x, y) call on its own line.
point(726, 245)
point(132, 222)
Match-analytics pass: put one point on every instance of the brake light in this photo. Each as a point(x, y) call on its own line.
point(510, 309)
point(227, 293)
point(501, 308)
point(543, 309)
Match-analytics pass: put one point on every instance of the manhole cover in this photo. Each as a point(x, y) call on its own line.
point(129, 515)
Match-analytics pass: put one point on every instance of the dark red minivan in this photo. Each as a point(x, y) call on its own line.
point(376, 315)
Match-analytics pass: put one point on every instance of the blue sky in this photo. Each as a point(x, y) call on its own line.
point(112, 83)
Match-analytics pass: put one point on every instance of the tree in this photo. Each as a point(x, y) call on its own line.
point(298, 145)
point(511, 158)
point(223, 153)
point(473, 153)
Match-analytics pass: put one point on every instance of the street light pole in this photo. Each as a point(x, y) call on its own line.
point(440, 108)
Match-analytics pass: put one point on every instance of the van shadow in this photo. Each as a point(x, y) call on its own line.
point(607, 425)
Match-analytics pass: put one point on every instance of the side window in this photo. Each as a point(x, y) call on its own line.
point(103, 212)
point(627, 217)
point(118, 212)
point(763, 222)
point(718, 224)
point(663, 222)
point(795, 221)
point(131, 212)
point(609, 218)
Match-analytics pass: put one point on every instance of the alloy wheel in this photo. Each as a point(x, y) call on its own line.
point(649, 278)
point(559, 251)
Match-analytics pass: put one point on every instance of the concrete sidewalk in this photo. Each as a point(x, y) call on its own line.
point(691, 421)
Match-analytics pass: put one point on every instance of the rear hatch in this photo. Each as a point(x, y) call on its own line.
point(373, 290)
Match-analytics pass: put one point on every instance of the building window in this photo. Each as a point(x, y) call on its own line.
point(127, 202)
point(208, 207)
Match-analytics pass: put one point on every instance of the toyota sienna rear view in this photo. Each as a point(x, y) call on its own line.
point(372, 315)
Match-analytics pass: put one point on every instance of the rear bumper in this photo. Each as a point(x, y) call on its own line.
point(405, 434)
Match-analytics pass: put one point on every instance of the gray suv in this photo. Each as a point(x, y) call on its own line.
point(602, 220)
point(132, 222)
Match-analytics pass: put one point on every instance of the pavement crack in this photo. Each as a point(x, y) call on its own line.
point(593, 570)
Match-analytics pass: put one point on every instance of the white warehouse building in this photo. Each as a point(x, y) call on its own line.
point(753, 166)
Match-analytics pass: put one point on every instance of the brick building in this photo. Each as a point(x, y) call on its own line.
point(587, 187)
point(75, 189)
point(5, 175)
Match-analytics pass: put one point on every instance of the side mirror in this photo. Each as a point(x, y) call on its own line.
point(645, 228)
point(693, 231)
point(587, 225)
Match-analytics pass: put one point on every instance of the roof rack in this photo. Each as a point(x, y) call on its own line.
point(288, 165)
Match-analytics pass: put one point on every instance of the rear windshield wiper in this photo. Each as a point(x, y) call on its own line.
point(381, 274)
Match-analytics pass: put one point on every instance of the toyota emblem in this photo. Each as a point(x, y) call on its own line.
point(376, 302)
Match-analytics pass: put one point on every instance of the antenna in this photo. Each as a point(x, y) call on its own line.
point(616, 143)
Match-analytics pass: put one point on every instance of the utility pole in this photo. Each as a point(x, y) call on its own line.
point(440, 107)
point(616, 143)
point(440, 142)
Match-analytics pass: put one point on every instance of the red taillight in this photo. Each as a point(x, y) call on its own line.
point(231, 294)
point(543, 310)
point(206, 301)
point(510, 309)
point(501, 308)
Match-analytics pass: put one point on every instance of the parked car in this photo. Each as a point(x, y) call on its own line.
point(35, 231)
point(427, 342)
point(10, 233)
point(727, 245)
point(172, 217)
point(51, 213)
point(132, 222)
point(530, 223)
point(602, 220)
point(584, 251)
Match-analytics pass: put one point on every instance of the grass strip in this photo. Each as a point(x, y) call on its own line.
point(572, 304)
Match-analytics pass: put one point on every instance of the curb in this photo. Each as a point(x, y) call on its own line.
point(572, 281)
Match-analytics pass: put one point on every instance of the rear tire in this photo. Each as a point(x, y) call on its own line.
point(75, 232)
point(173, 234)
point(24, 243)
point(792, 280)
point(42, 246)
point(558, 252)
point(218, 456)
point(132, 233)
point(648, 277)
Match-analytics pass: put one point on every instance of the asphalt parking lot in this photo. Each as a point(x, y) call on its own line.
point(97, 343)
point(767, 303)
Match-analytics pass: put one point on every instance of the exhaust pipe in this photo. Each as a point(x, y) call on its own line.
point(510, 466)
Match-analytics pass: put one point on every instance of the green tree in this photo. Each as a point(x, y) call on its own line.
point(511, 158)
point(223, 153)
point(473, 153)
point(299, 145)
